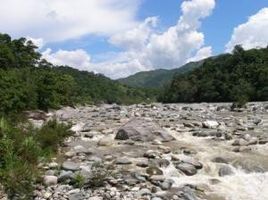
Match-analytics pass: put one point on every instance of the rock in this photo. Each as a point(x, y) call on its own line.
point(143, 129)
point(65, 175)
point(53, 165)
point(81, 149)
point(50, 180)
point(225, 171)
point(142, 163)
point(167, 184)
point(188, 194)
point(70, 166)
point(193, 162)
point(143, 192)
point(154, 171)
point(105, 141)
point(239, 142)
point(76, 196)
point(210, 124)
point(187, 169)
point(95, 198)
point(151, 154)
point(219, 160)
point(156, 198)
point(123, 161)
point(155, 178)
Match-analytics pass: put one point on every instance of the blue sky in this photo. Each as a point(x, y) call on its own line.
point(121, 37)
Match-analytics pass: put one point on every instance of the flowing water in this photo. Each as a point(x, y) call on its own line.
point(243, 184)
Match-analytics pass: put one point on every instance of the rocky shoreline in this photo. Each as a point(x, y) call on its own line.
point(161, 152)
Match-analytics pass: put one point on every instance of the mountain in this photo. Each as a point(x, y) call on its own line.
point(157, 78)
point(238, 77)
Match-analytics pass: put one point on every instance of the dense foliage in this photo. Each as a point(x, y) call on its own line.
point(22, 147)
point(29, 82)
point(157, 78)
point(241, 76)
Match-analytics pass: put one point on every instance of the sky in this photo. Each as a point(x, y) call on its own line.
point(121, 37)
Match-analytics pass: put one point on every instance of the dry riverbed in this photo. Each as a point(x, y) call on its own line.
point(158, 152)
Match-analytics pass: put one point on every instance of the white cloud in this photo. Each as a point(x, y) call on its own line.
point(57, 20)
point(39, 42)
point(252, 34)
point(137, 37)
point(201, 54)
point(145, 48)
point(77, 58)
point(148, 49)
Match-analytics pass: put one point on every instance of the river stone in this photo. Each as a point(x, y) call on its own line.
point(167, 184)
point(105, 141)
point(142, 163)
point(225, 171)
point(143, 129)
point(50, 180)
point(70, 166)
point(193, 162)
point(65, 175)
point(123, 161)
point(154, 171)
point(187, 169)
point(76, 196)
point(210, 124)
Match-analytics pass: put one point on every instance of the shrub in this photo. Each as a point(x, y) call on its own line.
point(51, 135)
point(99, 174)
point(79, 180)
point(21, 148)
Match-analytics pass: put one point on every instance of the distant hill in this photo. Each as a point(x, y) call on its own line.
point(157, 78)
point(241, 76)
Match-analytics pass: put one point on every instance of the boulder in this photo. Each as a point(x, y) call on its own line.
point(70, 166)
point(225, 171)
point(50, 180)
point(187, 169)
point(210, 124)
point(143, 129)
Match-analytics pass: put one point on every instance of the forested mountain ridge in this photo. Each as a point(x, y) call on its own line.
point(241, 76)
point(29, 82)
point(157, 78)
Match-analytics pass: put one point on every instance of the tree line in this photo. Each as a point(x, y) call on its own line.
point(237, 77)
point(29, 82)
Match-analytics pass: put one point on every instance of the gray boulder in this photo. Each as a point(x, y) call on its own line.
point(143, 129)
point(225, 171)
point(187, 169)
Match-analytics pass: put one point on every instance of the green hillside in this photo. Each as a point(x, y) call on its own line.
point(29, 82)
point(157, 78)
point(241, 76)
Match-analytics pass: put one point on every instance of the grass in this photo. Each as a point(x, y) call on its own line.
point(22, 147)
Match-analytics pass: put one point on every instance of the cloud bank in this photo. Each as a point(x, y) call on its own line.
point(58, 20)
point(144, 48)
point(252, 34)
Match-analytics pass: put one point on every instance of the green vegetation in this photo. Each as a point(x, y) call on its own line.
point(29, 82)
point(99, 174)
point(157, 78)
point(21, 149)
point(239, 77)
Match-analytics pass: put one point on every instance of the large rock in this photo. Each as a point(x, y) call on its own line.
point(187, 169)
point(70, 166)
point(50, 180)
point(225, 171)
point(210, 124)
point(142, 129)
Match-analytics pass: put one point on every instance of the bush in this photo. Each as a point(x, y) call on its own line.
point(21, 149)
point(99, 174)
point(51, 135)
